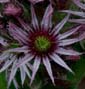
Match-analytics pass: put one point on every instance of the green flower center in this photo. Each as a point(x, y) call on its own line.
point(42, 43)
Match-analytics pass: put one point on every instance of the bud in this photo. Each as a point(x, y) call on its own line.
point(12, 10)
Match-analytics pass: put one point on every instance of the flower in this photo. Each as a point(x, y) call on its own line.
point(39, 43)
point(11, 9)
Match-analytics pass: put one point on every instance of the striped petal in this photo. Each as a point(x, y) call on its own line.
point(46, 21)
point(72, 41)
point(23, 74)
point(82, 14)
point(13, 72)
point(68, 33)
point(58, 27)
point(79, 4)
point(35, 68)
point(34, 18)
point(24, 60)
point(67, 52)
point(59, 61)
point(48, 68)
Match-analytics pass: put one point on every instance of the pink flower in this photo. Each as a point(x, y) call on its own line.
point(39, 43)
point(12, 10)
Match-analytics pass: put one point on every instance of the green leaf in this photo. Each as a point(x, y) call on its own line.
point(3, 83)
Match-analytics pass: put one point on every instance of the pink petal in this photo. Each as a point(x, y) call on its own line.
point(82, 14)
point(46, 21)
point(80, 21)
point(48, 67)
point(67, 52)
point(35, 1)
point(24, 25)
point(68, 33)
point(34, 18)
point(79, 4)
point(60, 25)
point(24, 60)
point(4, 1)
point(59, 61)
point(23, 74)
point(72, 41)
point(35, 68)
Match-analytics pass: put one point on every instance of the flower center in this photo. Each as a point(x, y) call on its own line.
point(42, 43)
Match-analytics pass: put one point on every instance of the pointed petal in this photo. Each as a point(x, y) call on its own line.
point(82, 14)
point(67, 52)
point(17, 33)
point(20, 49)
point(46, 21)
point(6, 65)
point(72, 41)
point(35, 68)
point(24, 25)
point(80, 21)
point(68, 33)
point(13, 72)
point(48, 68)
point(59, 61)
point(23, 74)
point(34, 18)
point(4, 56)
point(15, 83)
point(4, 1)
point(24, 60)
point(59, 26)
point(27, 71)
point(35, 1)
point(79, 4)
point(3, 42)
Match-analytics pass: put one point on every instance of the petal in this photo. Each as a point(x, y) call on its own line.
point(4, 1)
point(82, 14)
point(46, 21)
point(48, 68)
point(79, 4)
point(26, 70)
point(4, 56)
point(72, 41)
point(3, 42)
point(19, 49)
point(24, 60)
point(80, 21)
point(35, 68)
point(35, 1)
point(68, 33)
point(59, 61)
point(59, 26)
point(13, 72)
point(15, 83)
point(34, 18)
point(24, 25)
point(17, 33)
point(67, 52)
point(23, 74)
point(7, 64)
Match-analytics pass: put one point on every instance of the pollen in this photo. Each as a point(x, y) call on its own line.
point(42, 43)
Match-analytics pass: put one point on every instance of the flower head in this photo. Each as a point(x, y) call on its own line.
point(12, 10)
point(40, 43)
